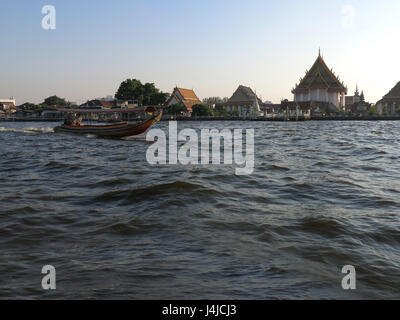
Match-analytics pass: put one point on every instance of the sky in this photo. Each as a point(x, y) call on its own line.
point(211, 46)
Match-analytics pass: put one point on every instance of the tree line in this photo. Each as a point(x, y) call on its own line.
point(142, 94)
point(201, 110)
point(48, 103)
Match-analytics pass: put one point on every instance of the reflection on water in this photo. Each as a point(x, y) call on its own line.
point(323, 195)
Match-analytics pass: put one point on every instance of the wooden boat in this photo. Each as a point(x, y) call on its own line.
point(118, 130)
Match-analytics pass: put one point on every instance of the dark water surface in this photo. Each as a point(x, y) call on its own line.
point(323, 195)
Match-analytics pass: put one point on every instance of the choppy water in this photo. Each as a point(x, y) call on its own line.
point(323, 195)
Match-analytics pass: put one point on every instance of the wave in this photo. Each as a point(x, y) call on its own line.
point(326, 226)
point(28, 130)
point(25, 209)
point(274, 167)
point(60, 165)
point(154, 191)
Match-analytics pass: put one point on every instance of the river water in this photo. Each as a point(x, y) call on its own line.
point(323, 195)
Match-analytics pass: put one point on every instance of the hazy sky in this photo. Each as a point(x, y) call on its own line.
point(209, 45)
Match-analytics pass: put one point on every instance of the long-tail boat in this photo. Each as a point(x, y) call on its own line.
point(117, 130)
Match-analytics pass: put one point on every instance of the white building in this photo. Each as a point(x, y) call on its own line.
point(8, 105)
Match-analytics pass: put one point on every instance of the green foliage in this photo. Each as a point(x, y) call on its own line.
point(374, 111)
point(177, 109)
point(55, 101)
point(143, 94)
point(202, 110)
point(50, 103)
point(214, 100)
point(220, 110)
point(28, 106)
point(362, 97)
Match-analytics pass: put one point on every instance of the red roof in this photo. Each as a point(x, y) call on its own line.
point(188, 94)
point(189, 100)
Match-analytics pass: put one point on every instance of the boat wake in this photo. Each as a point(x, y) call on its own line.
point(28, 130)
point(91, 136)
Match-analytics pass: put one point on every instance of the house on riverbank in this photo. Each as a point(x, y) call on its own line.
point(7, 106)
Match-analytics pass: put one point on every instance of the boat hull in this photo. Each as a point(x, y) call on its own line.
point(118, 130)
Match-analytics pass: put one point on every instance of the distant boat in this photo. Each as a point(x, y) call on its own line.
point(118, 130)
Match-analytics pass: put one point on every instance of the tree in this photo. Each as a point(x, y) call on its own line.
point(220, 110)
point(177, 109)
point(143, 94)
point(55, 101)
point(130, 89)
point(214, 100)
point(202, 110)
point(373, 110)
point(362, 98)
point(28, 106)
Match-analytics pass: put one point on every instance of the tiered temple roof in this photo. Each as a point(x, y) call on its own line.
point(393, 94)
point(320, 77)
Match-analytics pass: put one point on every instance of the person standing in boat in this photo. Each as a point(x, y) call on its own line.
point(73, 120)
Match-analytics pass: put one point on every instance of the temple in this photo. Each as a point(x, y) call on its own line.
point(244, 103)
point(390, 102)
point(351, 100)
point(320, 89)
point(186, 97)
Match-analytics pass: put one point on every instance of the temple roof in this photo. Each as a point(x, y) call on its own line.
point(189, 100)
point(320, 76)
point(244, 95)
point(394, 93)
point(188, 94)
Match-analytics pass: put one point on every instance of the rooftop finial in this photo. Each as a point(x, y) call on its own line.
point(357, 92)
point(319, 51)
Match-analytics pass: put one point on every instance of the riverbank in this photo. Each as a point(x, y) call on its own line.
point(293, 118)
point(279, 119)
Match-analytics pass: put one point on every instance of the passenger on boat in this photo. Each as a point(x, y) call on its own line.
point(73, 120)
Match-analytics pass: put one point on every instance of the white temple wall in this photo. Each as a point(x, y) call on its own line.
point(334, 98)
point(313, 94)
point(321, 95)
